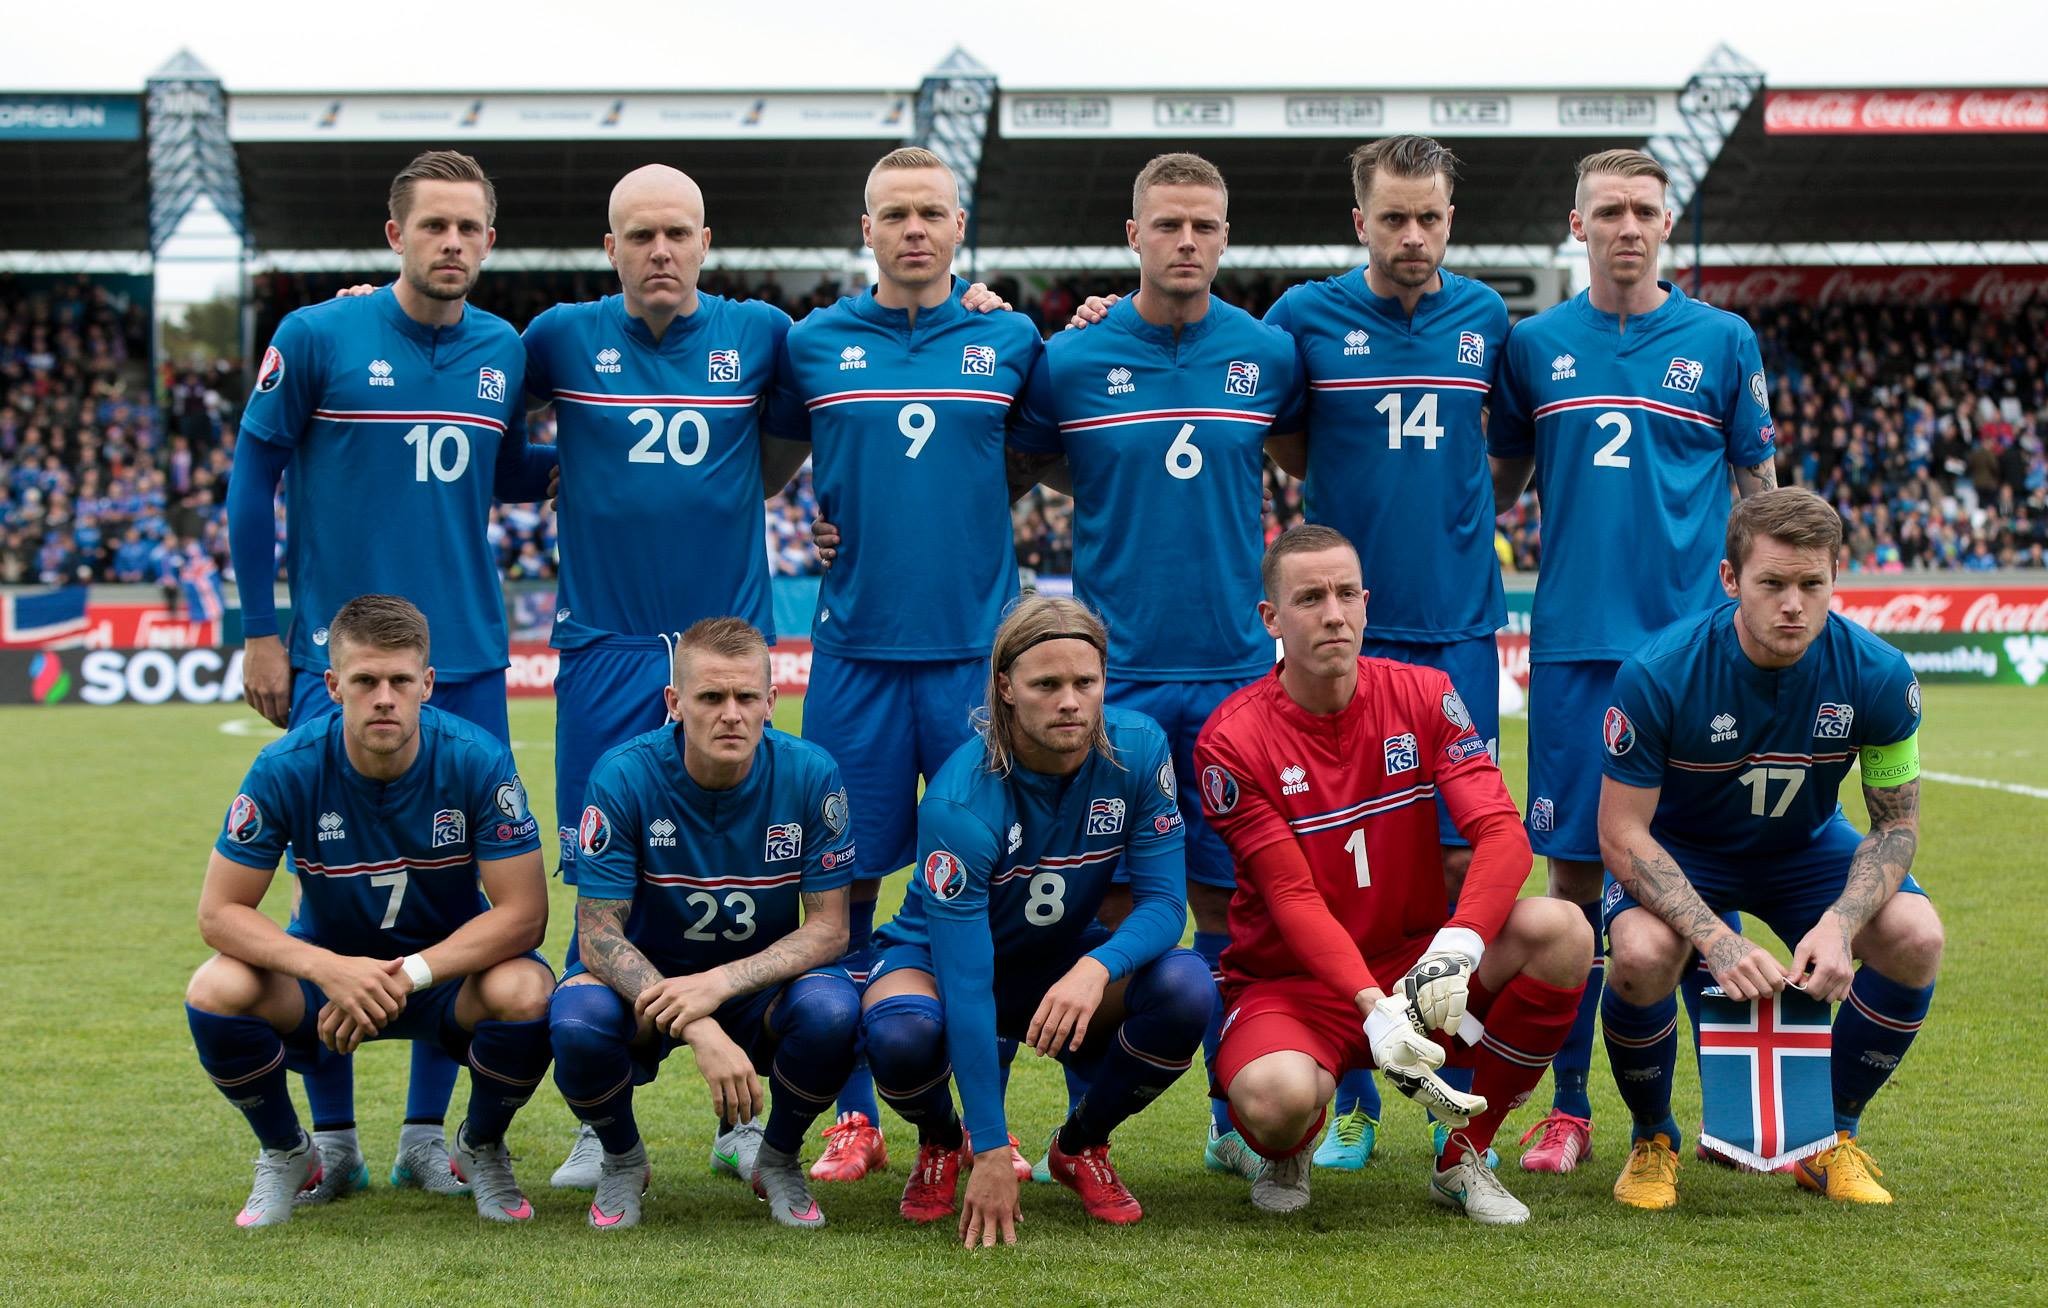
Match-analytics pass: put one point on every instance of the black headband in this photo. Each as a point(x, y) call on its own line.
point(1056, 635)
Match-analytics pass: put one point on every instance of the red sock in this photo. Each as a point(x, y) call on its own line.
point(1525, 1026)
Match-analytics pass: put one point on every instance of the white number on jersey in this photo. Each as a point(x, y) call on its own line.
point(1759, 779)
point(1048, 901)
point(917, 422)
point(397, 881)
point(648, 452)
point(1421, 421)
point(1607, 456)
point(1184, 457)
point(1356, 848)
point(742, 906)
point(443, 452)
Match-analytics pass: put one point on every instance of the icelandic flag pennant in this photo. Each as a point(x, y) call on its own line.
point(1764, 1077)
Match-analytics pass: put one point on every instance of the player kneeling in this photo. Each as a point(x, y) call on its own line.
point(700, 841)
point(394, 812)
point(1323, 778)
point(1019, 836)
point(1728, 738)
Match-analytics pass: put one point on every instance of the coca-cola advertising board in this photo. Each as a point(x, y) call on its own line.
point(1906, 113)
point(1998, 289)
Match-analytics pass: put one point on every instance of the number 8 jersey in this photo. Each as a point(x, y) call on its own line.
point(1633, 426)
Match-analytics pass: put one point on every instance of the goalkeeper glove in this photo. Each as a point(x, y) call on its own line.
point(1436, 986)
point(1410, 1059)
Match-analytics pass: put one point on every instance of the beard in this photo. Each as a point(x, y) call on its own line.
point(423, 282)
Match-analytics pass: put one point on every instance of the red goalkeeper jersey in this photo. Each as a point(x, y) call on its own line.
point(1356, 791)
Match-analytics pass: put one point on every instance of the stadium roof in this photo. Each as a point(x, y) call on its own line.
point(77, 172)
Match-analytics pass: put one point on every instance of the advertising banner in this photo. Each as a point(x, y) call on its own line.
point(1995, 289)
point(1906, 113)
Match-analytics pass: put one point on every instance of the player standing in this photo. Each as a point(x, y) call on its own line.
point(904, 395)
point(1019, 836)
point(1729, 735)
point(423, 895)
point(1163, 413)
point(1629, 402)
point(1323, 777)
point(399, 416)
point(699, 843)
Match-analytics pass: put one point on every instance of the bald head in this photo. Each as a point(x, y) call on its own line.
point(655, 186)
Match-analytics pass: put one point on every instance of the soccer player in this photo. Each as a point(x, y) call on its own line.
point(1630, 403)
point(714, 856)
point(1163, 414)
point(1728, 737)
point(399, 417)
point(423, 897)
point(1322, 777)
point(1019, 835)
point(904, 395)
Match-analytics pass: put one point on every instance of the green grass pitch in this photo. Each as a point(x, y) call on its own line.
point(121, 1167)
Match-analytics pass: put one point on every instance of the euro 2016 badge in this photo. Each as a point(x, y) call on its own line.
point(944, 877)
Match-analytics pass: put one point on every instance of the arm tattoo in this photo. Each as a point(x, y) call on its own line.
point(1881, 862)
point(601, 940)
point(1659, 885)
point(806, 947)
point(1757, 477)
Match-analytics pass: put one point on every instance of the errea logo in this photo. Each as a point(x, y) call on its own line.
point(608, 360)
point(661, 833)
point(1563, 368)
point(1293, 780)
point(852, 357)
point(331, 828)
point(1120, 381)
point(380, 373)
point(1355, 343)
point(1724, 728)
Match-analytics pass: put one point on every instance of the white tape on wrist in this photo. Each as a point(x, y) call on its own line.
point(417, 969)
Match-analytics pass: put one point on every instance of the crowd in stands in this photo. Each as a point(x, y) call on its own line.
point(1924, 425)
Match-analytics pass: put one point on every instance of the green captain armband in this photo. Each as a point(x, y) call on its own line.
point(1886, 766)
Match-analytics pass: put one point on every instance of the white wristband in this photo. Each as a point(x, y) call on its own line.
point(417, 969)
point(1458, 940)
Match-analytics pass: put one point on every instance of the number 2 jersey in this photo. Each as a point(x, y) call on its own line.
point(1357, 790)
point(907, 428)
point(1165, 436)
point(1751, 759)
point(385, 868)
point(661, 463)
point(395, 429)
point(714, 875)
point(1633, 427)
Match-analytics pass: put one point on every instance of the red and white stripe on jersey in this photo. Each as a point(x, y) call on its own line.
point(908, 397)
point(308, 866)
point(1628, 402)
point(407, 415)
point(1416, 794)
point(1169, 415)
point(720, 883)
point(1748, 760)
point(657, 401)
point(1390, 383)
point(1058, 863)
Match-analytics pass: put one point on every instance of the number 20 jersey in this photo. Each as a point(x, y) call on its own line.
point(1633, 427)
point(661, 463)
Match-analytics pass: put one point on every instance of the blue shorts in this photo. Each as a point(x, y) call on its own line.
point(1020, 983)
point(1788, 891)
point(429, 1016)
point(479, 700)
point(1566, 704)
point(1181, 708)
point(747, 1019)
point(1474, 669)
point(605, 694)
point(886, 724)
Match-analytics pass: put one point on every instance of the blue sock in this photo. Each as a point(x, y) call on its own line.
point(245, 1058)
point(1168, 1005)
point(591, 1030)
point(507, 1061)
point(906, 1043)
point(331, 1090)
point(1642, 1048)
point(858, 1094)
point(1210, 945)
point(816, 1024)
point(1357, 1089)
point(431, 1085)
point(1006, 1057)
point(1570, 1068)
point(1873, 1030)
point(1077, 1086)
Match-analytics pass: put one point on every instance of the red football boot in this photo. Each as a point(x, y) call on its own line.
point(1088, 1173)
point(856, 1149)
point(930, 1193)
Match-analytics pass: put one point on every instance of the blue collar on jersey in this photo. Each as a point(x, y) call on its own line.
point(866, 306)
point(685, 785)
point(1608, 322)
point(421, 766)
point(1124, 313)
point(1768, 680)
point(386, 300)
point(1390, 308)
point(678, 331)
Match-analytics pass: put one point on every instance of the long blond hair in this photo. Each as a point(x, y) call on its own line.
point(1035, 620)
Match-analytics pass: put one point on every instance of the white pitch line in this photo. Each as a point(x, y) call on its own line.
point(1983, 783)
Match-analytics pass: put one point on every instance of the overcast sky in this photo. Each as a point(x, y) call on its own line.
point(292, 45)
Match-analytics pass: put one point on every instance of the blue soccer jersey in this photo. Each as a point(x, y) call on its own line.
point(1633, 429)
point(1165, 436)
point(396, 430)
point(907, 428)
point(661, 463)
point(385, 869)
point(714, 875)
point(1750, 759)
point(1396, 448)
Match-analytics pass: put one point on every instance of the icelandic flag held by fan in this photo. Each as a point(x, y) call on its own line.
point(1764, 1077)
point(53, 619)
